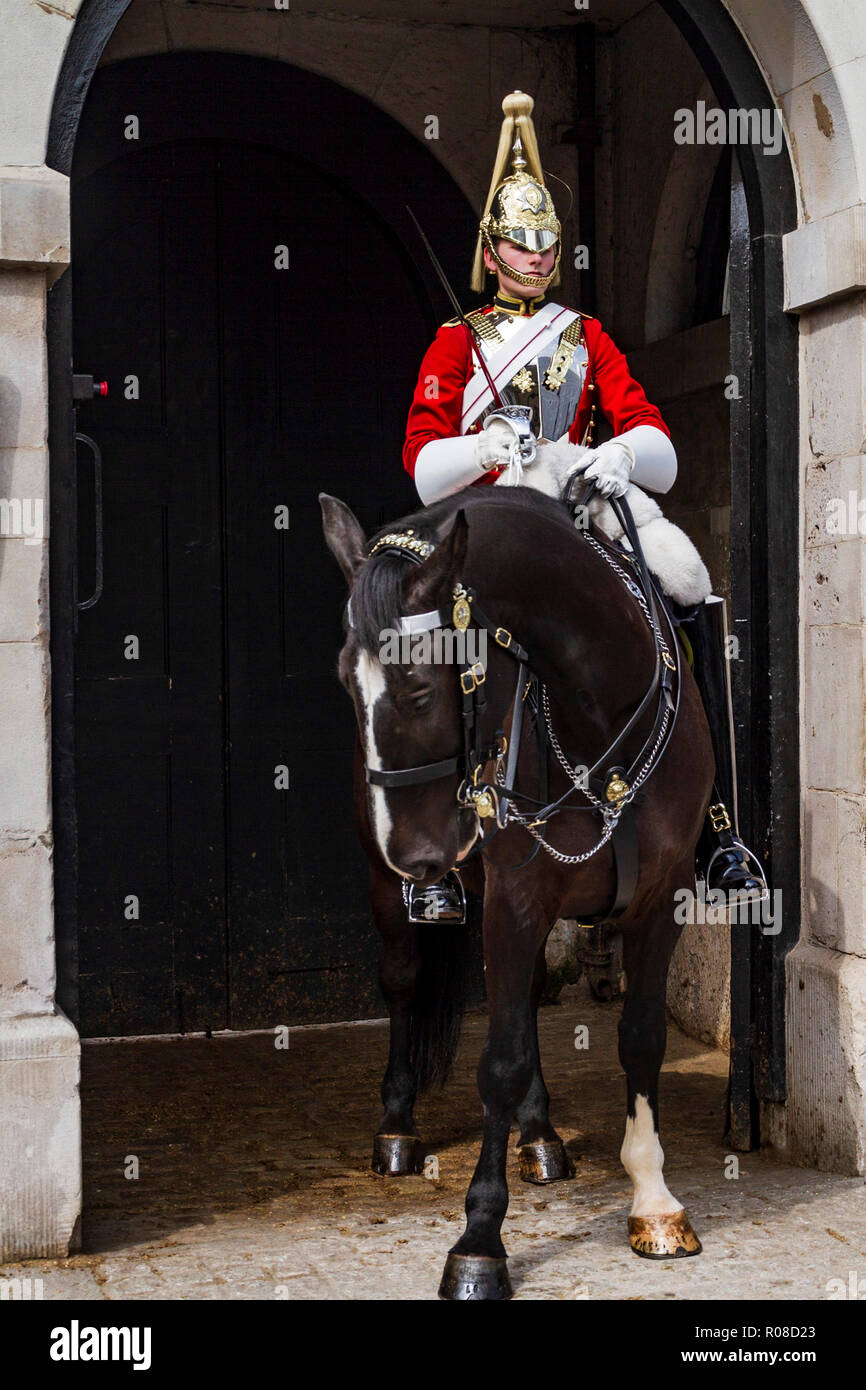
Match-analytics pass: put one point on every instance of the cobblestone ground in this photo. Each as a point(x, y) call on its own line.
point(254, 1178)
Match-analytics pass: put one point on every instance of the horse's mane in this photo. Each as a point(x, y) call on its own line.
point(377, 596)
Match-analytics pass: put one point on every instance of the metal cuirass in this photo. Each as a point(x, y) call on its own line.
point(551, 383)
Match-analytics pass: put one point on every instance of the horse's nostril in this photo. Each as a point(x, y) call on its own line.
point(419, 868)
point(420, 865)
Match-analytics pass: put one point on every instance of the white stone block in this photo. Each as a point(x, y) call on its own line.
point(833, 734)
point(851, 854)
point(27, 961)
point(562, 943)
point(829, 486)
point(40, 1138)
point(824, 151)
point(834, 578)
point(826, 1059)
point(834, 337)
point(34, 220)
point(821, 868)
point(24, 602)
point(34, 40)
point(784, 38)
point(25, 696)
point(23, 365)
point(825, 259)
point(24, 473)
point(699, 983)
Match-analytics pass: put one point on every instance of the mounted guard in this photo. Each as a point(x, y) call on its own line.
point(509, 393)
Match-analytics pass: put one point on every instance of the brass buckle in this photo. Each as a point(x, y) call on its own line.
point(505, 640)
point(476, 675)
point(669, 661)
point(719, 818)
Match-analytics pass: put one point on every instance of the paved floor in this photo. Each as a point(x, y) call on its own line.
point(254, 1181)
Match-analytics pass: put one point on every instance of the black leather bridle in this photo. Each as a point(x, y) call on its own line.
point(606, 776)
point(472, 678)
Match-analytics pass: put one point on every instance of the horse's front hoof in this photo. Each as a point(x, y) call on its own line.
point(469, 1277)
point(397, 1155)
point(663, 1237)
point(545, 1160)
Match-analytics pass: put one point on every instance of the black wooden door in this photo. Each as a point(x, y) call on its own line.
point(220, 883)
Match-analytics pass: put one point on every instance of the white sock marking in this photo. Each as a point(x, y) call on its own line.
point(643, 1158)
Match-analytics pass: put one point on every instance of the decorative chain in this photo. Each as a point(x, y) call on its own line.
point(610, 814)
point(633, 589)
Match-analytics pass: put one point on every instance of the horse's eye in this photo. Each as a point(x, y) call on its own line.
point(422, 699)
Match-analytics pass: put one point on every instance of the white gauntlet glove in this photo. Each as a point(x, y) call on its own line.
point(494, 446)
point(444, 466)
point(610, 466)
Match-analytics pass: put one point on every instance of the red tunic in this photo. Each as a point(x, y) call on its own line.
point(449, 360)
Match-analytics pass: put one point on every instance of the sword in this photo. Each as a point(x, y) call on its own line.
point(455, 304)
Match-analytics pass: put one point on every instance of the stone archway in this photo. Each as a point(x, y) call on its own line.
point(808, 59)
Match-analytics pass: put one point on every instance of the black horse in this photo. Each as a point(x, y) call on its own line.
point(563, 607)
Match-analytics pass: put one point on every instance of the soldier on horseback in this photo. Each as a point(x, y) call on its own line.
point(559, 368)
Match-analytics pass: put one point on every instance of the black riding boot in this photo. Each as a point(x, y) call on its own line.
point(443, 901)
point(723, 857)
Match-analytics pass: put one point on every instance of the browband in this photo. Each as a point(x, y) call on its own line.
point(411, 622)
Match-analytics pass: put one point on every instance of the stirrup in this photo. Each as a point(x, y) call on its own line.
point(443, 901)
point(751, 895)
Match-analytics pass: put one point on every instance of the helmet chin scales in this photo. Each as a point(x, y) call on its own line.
point(521, 277)
point(519, 207)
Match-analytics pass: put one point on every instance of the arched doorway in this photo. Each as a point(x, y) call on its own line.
point(764, 530)
point(241, 278)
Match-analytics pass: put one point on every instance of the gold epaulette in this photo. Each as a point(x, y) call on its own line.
point(479, 322)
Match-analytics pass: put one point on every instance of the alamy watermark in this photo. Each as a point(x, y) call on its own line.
point(712, 126)
point(737, 908)
point(21, 1290)
point(845, 516)
point(23, 516)
point(442, 647)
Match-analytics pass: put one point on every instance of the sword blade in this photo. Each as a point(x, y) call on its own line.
point(455, 304)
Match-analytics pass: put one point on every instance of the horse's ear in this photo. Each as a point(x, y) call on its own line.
point(425, 582)
point(345, 538)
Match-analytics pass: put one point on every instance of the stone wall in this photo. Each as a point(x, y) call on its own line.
point(40, 1181)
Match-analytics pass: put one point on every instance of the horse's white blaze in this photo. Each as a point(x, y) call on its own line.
point(371, 685)
point(643, 1158)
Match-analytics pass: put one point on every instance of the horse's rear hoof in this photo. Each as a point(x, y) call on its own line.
point(469, 1277)
point(545, 1160)
point(397, 1155)
point(663, 1237)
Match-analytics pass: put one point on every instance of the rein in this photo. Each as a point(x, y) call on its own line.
point(609, 786)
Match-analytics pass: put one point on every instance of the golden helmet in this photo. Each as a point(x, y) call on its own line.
point(519, 206)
